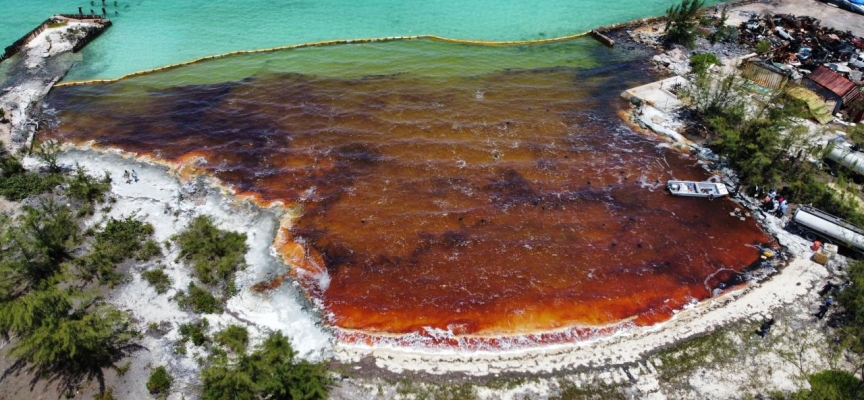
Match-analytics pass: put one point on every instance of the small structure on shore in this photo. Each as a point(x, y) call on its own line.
point(833, 87)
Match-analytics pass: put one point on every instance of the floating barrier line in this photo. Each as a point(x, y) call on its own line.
point(329, 43)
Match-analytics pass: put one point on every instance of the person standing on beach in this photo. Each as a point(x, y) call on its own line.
point(126, 176)
point(134, 175)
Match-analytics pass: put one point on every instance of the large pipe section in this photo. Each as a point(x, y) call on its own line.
point(842, 153)
point(830, 226)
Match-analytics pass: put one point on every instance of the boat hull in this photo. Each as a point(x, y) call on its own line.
point(697, 189)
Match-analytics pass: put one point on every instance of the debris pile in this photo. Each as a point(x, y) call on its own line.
point(801, 43)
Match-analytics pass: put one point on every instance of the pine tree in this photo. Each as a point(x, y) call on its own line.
point(78, 345)
point(270, 372)
point(681, 21)
point(35, 249)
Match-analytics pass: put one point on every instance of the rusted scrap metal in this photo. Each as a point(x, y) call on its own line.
point(799, 41)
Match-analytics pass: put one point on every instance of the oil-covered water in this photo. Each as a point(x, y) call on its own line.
point(443, 197)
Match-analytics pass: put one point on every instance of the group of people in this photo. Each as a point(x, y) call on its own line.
point(130, 177)
point(775, 204)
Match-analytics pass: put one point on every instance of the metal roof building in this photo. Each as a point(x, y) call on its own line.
point(845, 90)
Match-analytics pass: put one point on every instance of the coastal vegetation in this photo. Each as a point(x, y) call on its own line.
point(16, 183)
point(58, 326)
point(157, 278)
point(851, 332)
point(763, 139)
point(215, 255)
point(159, 382)
point(700, 63)
point(271, 370)
point(117, 241)
point(681, 22)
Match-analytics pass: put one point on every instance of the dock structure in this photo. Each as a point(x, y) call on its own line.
point(657, 104)
point(94, 27)
point(36, 62)
point(659, 95)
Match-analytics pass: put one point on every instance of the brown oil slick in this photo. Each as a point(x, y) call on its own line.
point(475, 211)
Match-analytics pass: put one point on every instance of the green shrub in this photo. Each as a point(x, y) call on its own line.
point(215, 254)
point(199, 300)
point(160, 382)
point(123, 369)
point(118, 241)
point(36, 246)
point(158, 279)
point(701, 62)
point(681, 22)
point(122, 239)
point(830, 385)
point(85, 188)
point(195, 332)
point(724, 34)
point(271, 371)
point(233, 337)
point(77, 344)
point(108, 394)
point(149, 249)
point(23, 185)
point(10, 166)
point(48, 152)
point(85, 210)
point(763, 46)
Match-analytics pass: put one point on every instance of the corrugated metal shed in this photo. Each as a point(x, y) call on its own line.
point(836, 83)
point(763, 75)
point(820, 111)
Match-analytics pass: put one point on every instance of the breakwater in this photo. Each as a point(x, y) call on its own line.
point(33, 64)
point(93, 31)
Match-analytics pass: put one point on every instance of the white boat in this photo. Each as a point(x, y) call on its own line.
point(697, 189)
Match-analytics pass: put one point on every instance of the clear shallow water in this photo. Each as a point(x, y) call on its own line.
point(153, 33)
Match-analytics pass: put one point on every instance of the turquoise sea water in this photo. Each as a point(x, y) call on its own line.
point(153, 33)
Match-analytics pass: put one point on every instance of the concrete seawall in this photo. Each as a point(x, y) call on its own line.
point(33, 64)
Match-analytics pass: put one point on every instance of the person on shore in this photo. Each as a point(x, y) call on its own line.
point(126, 176)
point(773, 206)
point(823, 309)
point(767, 323)
point(134, 175)
point(784, 206)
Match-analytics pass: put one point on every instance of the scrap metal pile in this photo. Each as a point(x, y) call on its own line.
point(801, 43)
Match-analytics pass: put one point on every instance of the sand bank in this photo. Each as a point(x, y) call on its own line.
point(168, 203)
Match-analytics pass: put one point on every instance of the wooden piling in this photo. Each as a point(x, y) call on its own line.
point(602, 38)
